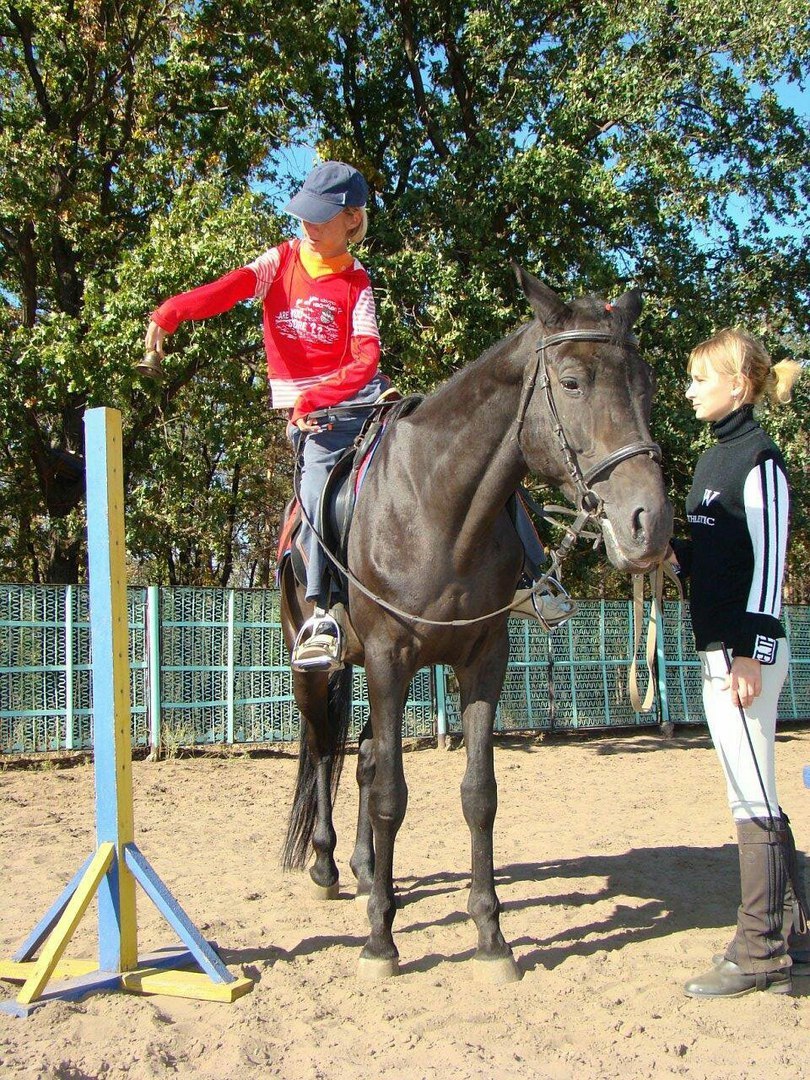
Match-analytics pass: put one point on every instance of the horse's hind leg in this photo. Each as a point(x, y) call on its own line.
point(324, 707)
point(362, 860)
point(388, 800)
point(480, 687)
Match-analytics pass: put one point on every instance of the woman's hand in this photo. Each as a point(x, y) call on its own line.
point(155, 336)
point(745, 680)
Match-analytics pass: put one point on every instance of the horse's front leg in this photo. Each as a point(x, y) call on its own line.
point(388, 800)
point(362, 860)
point(480, 686)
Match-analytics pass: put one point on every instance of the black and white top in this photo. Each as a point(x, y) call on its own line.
point(738, 512)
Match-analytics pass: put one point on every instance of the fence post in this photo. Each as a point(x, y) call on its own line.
point(661, 668)
point(153, 668)
point(441, 706)
point(69, 667)
point(230, 689)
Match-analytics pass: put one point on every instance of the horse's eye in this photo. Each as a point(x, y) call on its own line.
point(569, 384)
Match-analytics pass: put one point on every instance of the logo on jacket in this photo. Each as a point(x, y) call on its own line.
point(709, 496)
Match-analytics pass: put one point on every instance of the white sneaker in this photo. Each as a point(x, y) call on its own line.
point(550, 605)
point(319, 644)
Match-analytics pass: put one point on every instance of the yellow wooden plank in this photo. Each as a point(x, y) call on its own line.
point(63, 931)
point(186, 984)
point(15, 971)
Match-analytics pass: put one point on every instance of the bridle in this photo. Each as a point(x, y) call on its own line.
point(591, 507)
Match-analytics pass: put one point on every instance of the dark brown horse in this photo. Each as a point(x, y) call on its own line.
point(433, 552)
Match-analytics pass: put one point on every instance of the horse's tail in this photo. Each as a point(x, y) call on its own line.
point(304, 810)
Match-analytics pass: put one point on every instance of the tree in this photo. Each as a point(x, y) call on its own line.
point(109, 113)
point(601, 144)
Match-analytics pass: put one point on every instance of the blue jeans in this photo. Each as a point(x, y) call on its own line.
point(318, 454)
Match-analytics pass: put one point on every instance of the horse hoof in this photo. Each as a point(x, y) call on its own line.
point(375, 969)
point(498, 972)
point(326, 892)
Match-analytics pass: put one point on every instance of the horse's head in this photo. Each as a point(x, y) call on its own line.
point(585, 413)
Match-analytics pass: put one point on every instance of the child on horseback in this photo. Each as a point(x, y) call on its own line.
point(323, 349)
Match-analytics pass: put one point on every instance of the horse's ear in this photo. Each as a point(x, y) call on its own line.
point(548, 307)
point(629, 305)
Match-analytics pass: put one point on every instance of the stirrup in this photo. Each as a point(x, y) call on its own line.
point(318, 645)
point(547, 601)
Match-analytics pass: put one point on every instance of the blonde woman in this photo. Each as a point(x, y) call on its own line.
point(738, 510)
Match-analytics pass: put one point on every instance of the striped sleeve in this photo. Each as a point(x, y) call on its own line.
point(364, 316)
point(767, 505)
point(265, 268)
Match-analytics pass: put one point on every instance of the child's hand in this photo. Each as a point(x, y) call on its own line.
point(155, 336)
point(312, 427)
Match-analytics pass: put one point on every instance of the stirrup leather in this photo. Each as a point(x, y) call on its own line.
point(547, 601)
point(319, 644)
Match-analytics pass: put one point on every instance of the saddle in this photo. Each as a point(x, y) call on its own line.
point(339, 497)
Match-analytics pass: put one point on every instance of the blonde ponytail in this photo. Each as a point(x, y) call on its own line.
point(779, 386)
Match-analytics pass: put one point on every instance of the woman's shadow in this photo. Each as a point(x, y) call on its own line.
point(657, 892)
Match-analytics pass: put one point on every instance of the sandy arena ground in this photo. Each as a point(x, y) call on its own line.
point(618, 880)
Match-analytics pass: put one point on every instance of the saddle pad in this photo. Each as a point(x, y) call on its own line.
point(364, 464)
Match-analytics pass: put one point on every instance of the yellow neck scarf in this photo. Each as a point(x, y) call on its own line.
point(316, 266)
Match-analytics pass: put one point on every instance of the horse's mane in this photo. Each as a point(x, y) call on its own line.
point(468, 371)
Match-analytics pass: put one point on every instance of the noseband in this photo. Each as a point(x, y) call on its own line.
point(589, 502)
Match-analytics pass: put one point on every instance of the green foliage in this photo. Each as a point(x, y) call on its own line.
point(601, 144)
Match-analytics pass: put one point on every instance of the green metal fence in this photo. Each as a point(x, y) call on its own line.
point(209, 667)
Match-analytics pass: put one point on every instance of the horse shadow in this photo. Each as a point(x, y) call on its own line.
point(657, 892)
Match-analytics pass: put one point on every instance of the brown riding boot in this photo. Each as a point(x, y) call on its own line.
point(794, 924)
point(757, 957)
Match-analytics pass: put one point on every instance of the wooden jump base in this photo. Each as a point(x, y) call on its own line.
point(112, 871)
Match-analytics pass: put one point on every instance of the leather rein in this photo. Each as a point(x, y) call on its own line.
point(591, 507)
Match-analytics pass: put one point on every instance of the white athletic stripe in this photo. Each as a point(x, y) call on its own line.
point(284, 392)
point(765, 495)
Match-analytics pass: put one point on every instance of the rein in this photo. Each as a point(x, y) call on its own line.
point(591, 506)
point(656, 578)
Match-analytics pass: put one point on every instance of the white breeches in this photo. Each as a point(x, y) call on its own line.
point(728, 733)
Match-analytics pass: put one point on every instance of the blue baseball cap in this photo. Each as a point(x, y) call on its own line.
point(327, 190)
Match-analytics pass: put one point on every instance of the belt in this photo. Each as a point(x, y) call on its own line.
point(346, 412)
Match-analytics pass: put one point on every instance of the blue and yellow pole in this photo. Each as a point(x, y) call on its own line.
point(109, 630)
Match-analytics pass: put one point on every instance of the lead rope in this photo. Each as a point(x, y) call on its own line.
point(656, 580)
